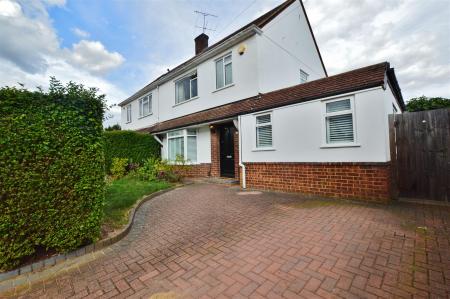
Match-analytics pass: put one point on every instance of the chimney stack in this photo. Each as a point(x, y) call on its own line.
point(201, 43)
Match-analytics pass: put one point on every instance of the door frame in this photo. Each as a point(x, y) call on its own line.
point(220, 128)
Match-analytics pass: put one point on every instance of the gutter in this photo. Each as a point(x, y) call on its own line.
point(241, 164)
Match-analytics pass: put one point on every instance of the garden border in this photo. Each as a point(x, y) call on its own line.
point(8, 279)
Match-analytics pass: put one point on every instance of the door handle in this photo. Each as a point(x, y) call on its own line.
point(229, 157)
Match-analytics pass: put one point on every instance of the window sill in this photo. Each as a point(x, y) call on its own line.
point(263, 149)
point(181, 103)
point(128, 122)
point(145, 115)
point(338, 145)
point(222, 88)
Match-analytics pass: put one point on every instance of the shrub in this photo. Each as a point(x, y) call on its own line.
point(424, 103)
point(51, 169)
point(157, 169)
point(119, 167)
point(135, 146)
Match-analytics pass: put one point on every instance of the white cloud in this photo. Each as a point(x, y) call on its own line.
point(80, 33)
point(93, 56)
point(9, 9)
point(412, 35)
point(31, 53)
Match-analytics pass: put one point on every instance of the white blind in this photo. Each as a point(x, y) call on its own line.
point(263, 131)
point(340, 128)
point(338, 106)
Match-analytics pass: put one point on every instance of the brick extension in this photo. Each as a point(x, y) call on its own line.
point(367, 181)
point(208, 241)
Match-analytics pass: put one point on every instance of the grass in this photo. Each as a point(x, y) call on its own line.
point(123, 193)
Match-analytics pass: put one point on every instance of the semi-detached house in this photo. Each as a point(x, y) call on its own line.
point(259, 106)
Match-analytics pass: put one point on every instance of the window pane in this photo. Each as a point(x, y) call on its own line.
point(191, 131)
point(228, 74)
point(194, 87)
point(150, 104)
point(338, 106)
point(192, 148)
point(176, 148)
point(140, 107)
point(303, 76)
point(340, 128)
point(179, 92)
point(186, 89)
point(145, 107)
point(262, 119)
point(175, 133)
point(227, 59)
point(219, 73)
point(264, 136)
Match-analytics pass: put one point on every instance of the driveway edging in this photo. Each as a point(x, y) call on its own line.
point(22, 275)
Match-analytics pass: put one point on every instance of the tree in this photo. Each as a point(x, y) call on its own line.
point(115, 127)
point(425, 103)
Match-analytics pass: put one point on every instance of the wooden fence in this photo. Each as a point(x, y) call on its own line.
point(420, 143)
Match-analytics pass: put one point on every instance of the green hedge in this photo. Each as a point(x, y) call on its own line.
point(51, 169)
point(135, 146)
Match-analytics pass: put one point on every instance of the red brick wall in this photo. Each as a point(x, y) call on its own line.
point(236, 153)
point(215, 152)
point(198, 170)
point(366, 181)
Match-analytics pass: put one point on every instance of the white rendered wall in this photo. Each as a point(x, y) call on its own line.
point(285, 47)
point(203, 145)
point(136, 121)
point(298, 133)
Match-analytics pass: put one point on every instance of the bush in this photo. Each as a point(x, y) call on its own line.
point(424, 103)
point(157, 169)
point(135, 146)
point(51, 169)
point(119, 167)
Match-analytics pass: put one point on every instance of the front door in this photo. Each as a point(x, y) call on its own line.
point(227, 151)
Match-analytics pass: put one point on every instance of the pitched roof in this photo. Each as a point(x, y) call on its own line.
point(259, 22)
point(359, 79)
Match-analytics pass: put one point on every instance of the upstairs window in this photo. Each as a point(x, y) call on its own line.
point(339, 122)
point(186, 88)
point(303, 76)
point(145, 105)
point(128, 113)
point(182, 144)
point(264, 131)
point(224, 71)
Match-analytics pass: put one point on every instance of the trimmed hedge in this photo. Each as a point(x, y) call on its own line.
point(51, 170)
point(136, 147)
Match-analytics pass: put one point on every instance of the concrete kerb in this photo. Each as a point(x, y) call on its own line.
point(52, 266)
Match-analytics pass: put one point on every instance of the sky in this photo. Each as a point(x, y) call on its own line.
point(119, 46)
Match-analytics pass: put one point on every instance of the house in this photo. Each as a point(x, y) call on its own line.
point(259, 106)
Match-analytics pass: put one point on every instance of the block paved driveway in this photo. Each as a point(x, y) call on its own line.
point(210, 241)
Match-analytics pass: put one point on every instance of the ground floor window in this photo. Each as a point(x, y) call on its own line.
point(182, 144)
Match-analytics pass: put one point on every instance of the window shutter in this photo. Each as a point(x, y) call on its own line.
point(340, 128)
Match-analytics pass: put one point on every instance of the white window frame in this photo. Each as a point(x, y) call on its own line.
point(129, 113)
point(303, 74)
point(184, 135)
point(230, 54)
point(147, 97)
point(190, 88)
point(325, 115)
point(263, 148)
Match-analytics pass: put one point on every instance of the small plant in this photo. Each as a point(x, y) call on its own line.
point(119, 167)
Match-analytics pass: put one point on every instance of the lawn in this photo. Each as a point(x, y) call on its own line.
point(123, 193)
